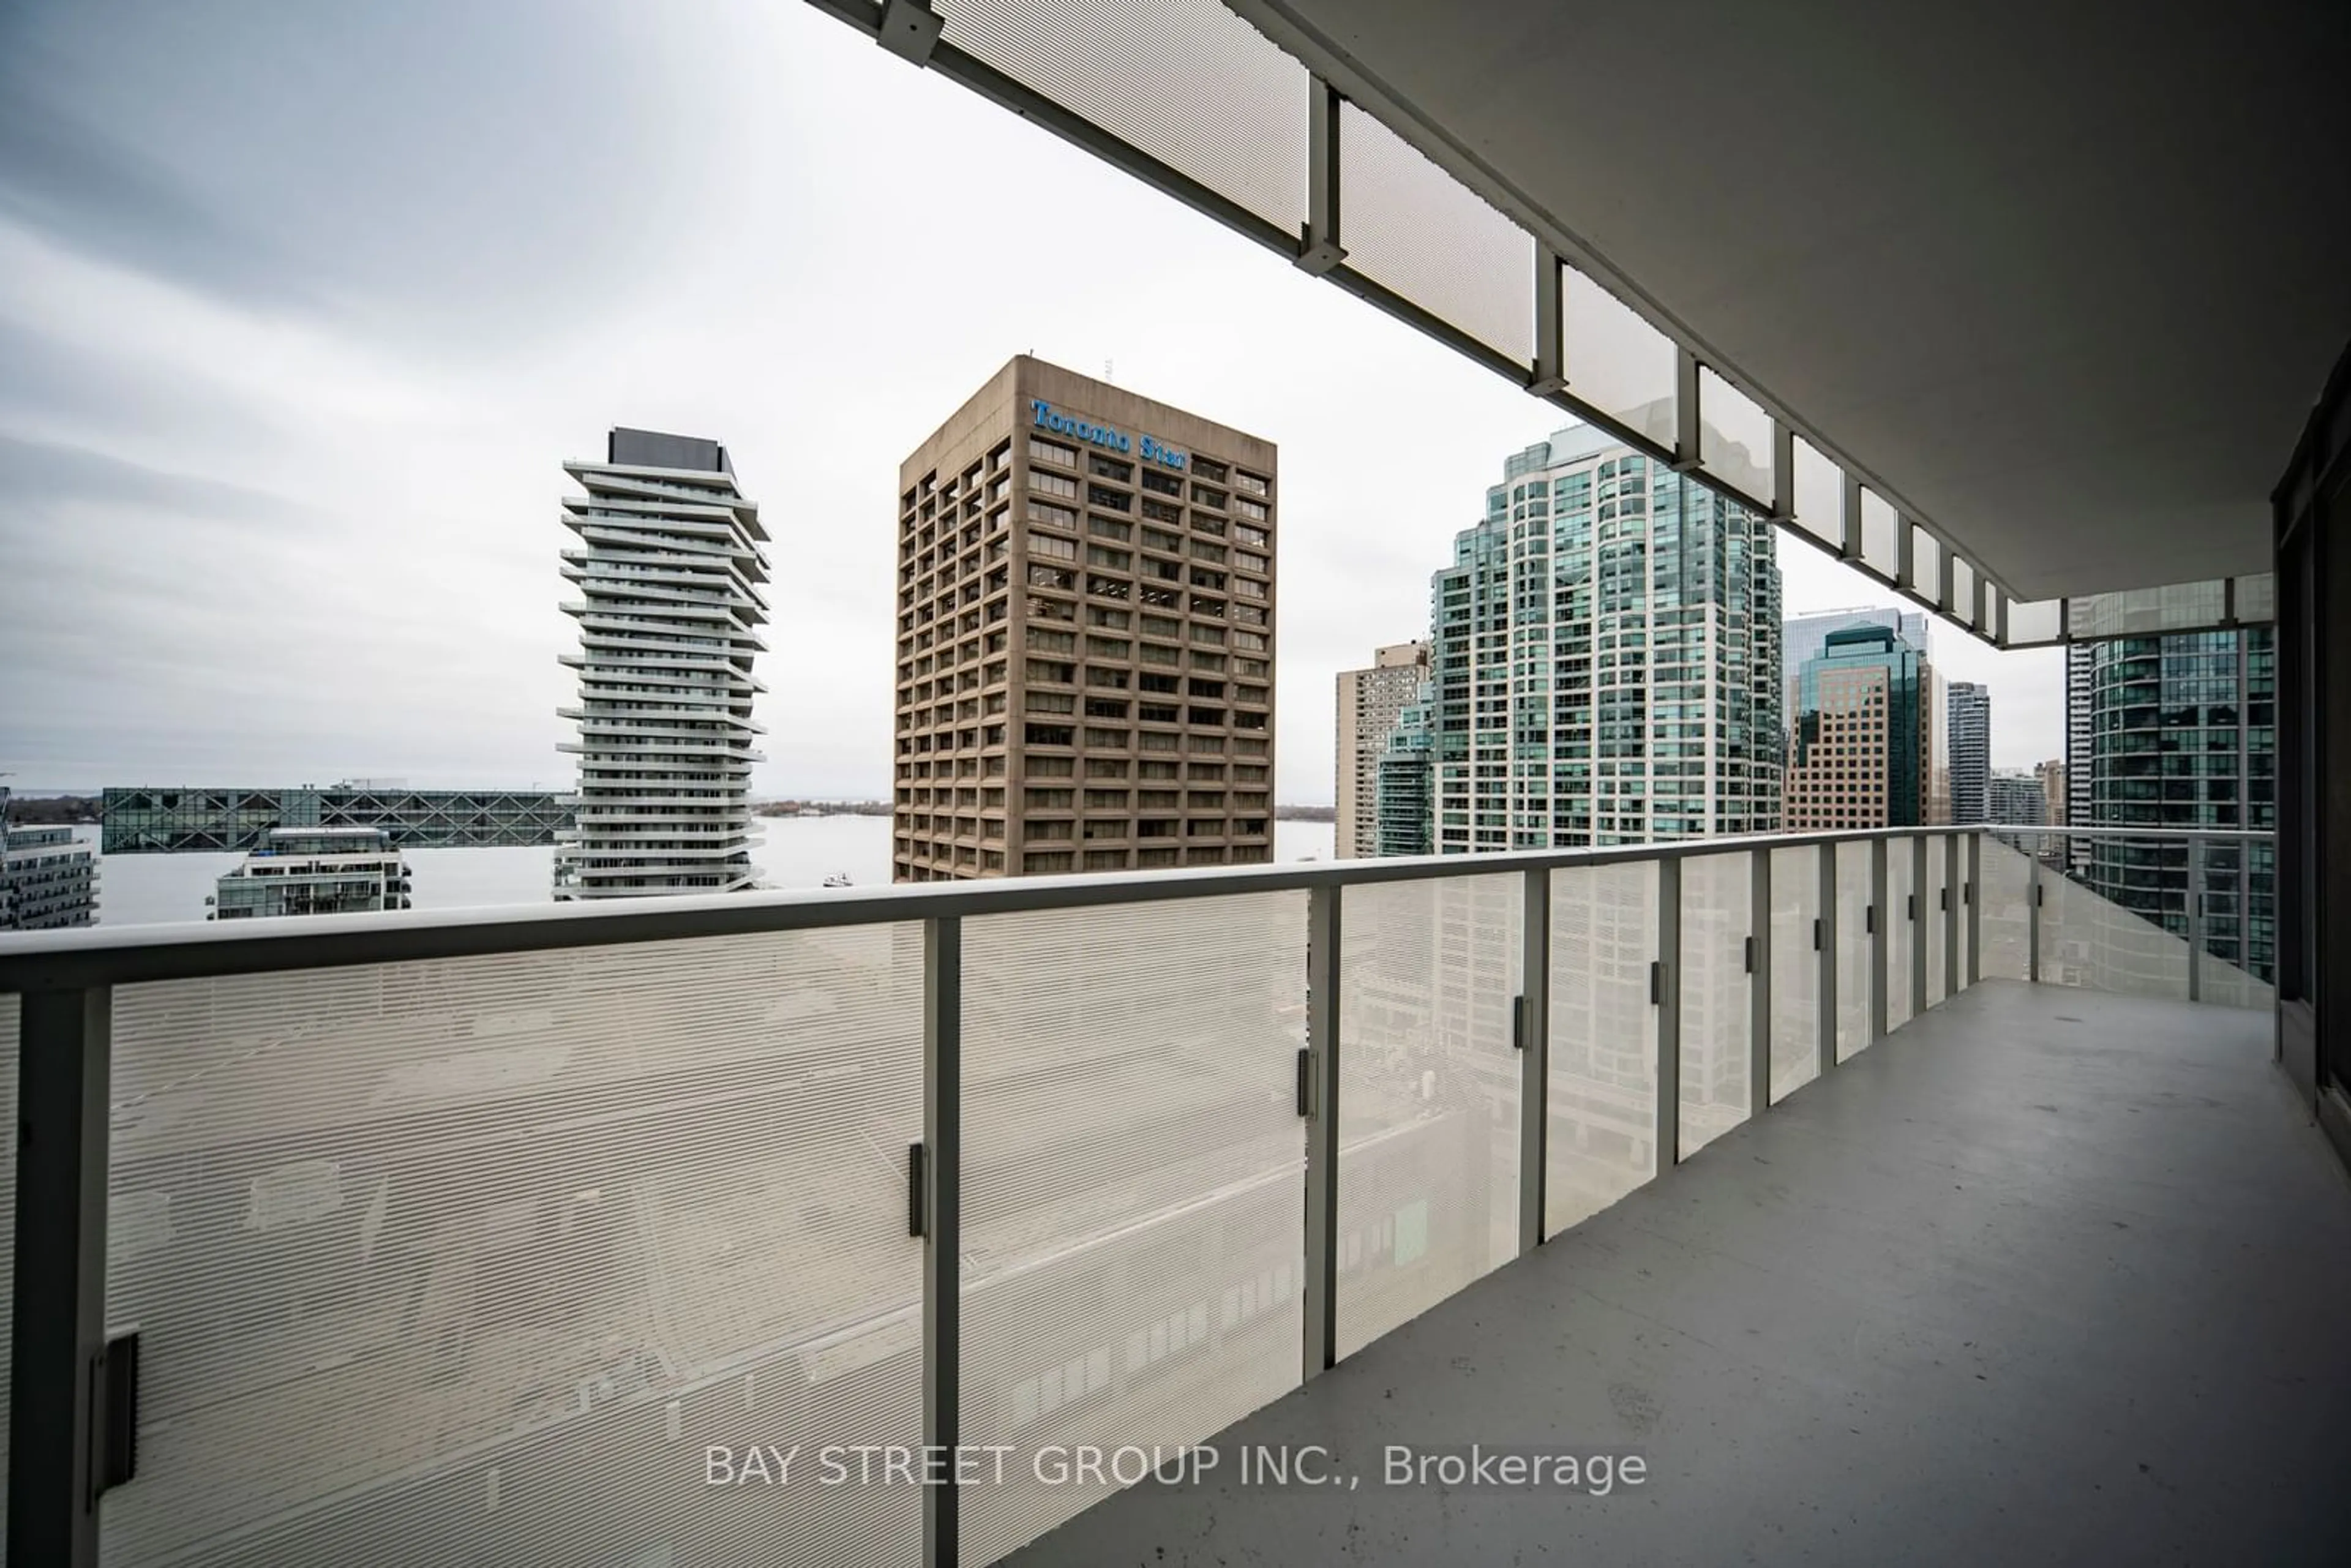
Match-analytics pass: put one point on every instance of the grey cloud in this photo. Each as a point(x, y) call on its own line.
point(63, 175)
point(40, 474)
point(455, 170)
point(94, 395)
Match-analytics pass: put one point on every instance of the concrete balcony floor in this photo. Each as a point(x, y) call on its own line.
point(2047, 1276)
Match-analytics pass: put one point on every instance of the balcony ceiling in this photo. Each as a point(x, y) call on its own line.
point(2064, 280)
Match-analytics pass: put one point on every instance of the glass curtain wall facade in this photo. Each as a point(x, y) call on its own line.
point(1605, 659)
point(1970, 754)
point(1802, 638)
point(1405, 807)
point(1864, 734)
point(2182, 733)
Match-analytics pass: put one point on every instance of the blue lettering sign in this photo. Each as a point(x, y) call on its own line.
point(1048, 418)
point(1155, 453)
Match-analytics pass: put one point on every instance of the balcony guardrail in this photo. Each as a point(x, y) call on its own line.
point(522, 1234)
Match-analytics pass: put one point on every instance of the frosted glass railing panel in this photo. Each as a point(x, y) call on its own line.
point(1901, 931)
point(1820, 495)
point(2239, 881)
point(1932, 934)
point(1963, 591)
point(1795, 970)
point(1854, 980)
point(1428, 1096)
point(2005, 890)
point(2140, 611)
point(1614, 360)
point(1718, 908)
point(2035, 621)
point(2257, 597)
point(1132, 1161)
point(2089, 941)
point(1602, 1113)
point(479, 1256)
point(2226, 985)
point(1186, 82)
point(1926, 564)
point(1414, 229)
point(1734, 437)
point(1880, 533)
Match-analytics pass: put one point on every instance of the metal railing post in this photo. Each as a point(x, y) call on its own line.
point(1759, 984)
point(1975, 905)
point(942, 1226)
point(1879, 958)
point(2032, 918)
point(58, 1331)
point(1827, 955)
point(2195, 919)
point(1319, 246)
point(1916, 913)
point(1534, 1054)
point(1666, 991)
point(1318, 1350)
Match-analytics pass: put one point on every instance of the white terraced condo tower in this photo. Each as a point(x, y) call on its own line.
point(669, 564)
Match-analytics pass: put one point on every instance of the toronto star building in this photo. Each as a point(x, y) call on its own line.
point(1085, 636)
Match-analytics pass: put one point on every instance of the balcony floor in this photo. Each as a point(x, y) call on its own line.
point(2046, 1276)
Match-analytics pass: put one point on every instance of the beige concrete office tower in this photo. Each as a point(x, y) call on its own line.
point(2051, 775)
point(1369, 702)
point(1086, 614)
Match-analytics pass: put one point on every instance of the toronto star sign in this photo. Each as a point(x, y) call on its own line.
point(1048, 418)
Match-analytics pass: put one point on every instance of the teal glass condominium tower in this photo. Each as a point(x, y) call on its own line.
point(1604, 667)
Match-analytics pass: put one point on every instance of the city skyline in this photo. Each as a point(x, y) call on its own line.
point(214, 405)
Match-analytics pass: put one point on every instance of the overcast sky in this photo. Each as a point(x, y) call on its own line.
point(306, 306)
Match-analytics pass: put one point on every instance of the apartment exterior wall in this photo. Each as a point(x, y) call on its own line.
point(335, 871)
point(2056, 804)
point(669, 569)
point(1971, 740)
point(46, 880)
point(1087, 616)
point(1605, 659)
point(2016, 799)
point(1369, 702)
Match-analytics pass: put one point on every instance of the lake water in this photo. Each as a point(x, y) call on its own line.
point(797, 852)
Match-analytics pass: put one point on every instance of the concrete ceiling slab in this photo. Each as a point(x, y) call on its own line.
point(2064, 279)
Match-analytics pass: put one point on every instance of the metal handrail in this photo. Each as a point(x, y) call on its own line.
point(101, 955)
